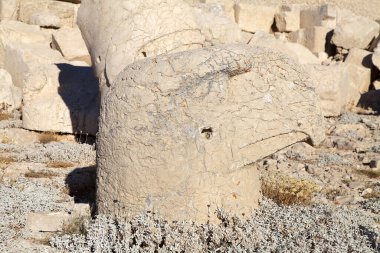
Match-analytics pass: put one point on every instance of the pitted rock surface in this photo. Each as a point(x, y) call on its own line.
point(179, 133)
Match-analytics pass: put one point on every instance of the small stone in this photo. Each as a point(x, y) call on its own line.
point(342, 200)
point(367, 191)
point(46, 222)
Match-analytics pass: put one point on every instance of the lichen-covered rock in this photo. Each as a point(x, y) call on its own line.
point(179, 133)
point(120, 32)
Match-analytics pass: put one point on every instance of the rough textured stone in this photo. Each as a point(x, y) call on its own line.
point(179, 132)
point(10, 96)
point(314, 38)
point(22, 59)
point(46, 222)
point(293, 50)
point(65, 11)
point(355, 31)
point(45, 19)
point(319, 15)
point(252, 18)
point(12, 32)
point(69, 90)
point(143, 30)
point(288, 20)
point(8, 9)
point(70, 43)
point(334, 93)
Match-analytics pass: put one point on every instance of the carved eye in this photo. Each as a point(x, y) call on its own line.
point(207, 133)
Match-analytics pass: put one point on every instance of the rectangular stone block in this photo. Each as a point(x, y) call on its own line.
point(252, 18)
point(288, 20)
point(324, 15)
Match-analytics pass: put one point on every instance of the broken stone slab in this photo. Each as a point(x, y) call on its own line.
point(10, 95)
point(252, 17)
point(46, 222)
point(355, 32)
point(70, 43)
point(195, 122)
point(145, 29)
point(12, 32)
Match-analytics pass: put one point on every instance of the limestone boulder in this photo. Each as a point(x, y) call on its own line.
point(365, 71)
point(9, 9)
point(333, 89)
point(12, 32)
point(288, 19)
point(179, 133)
point(10, 96)
point(314, 38)
point(45, 19)
point(65, 11)
point(61, 97)
point(22, 58)
point(253, 17)
point(118, 33)
point(319, 15)
point(355, 32)
point(70, 43)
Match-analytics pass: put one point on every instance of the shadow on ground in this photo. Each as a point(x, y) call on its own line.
point(81, 183)
point(370, 100)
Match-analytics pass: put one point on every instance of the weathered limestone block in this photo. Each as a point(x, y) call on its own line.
point(69, 91)
point(332, 88)
point(227, 6)
point(46, 222)
point(10, 96)
point(355, 32)
point(364, 65)
point(179, 132)
point(314, 38)
point(70, 43)
point(319, 15)
point(21, 59)
point(64, 10)
point(12, 32)
point(252, 17)
point(119, 32)
point(45, 19)
point(296, 51)
point(8, 9)
point(288, 20)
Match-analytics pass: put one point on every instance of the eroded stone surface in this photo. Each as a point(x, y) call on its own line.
point(178, 132)
point(118, 33)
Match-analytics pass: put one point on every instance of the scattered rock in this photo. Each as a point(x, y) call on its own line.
point(355, 32)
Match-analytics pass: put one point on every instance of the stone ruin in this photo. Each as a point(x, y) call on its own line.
point(192, 91)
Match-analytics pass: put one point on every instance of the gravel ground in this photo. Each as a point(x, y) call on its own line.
point(272, 228)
